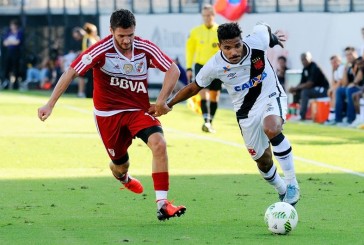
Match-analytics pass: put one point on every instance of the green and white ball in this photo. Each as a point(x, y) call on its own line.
point(281, 218)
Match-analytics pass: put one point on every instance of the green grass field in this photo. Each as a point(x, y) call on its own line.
point(56, 187)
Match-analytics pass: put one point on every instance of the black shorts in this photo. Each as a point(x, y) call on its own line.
point(215, 84)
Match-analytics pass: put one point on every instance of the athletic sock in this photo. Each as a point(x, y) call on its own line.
point(213, 108)
point(282, 151)
point(161, 187)
point(273, 178)
point(205, 110)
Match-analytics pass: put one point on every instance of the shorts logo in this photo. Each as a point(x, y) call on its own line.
point(111, 151)
point(251, 151)
point(86, 59)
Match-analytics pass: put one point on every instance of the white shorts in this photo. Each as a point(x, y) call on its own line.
point(256, 141)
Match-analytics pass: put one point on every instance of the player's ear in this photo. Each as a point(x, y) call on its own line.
point(111, 30)
point(219, 45)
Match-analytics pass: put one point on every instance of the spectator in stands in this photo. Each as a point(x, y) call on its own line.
point(13, 42)
point(47, 74)
point(32, 73)
point(341, 105)
point(337, 80)
point(85, 83)
point(353, 111)
point(313, 84)
point(281, 70)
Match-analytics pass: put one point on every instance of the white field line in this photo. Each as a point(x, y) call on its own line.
point(224, 142)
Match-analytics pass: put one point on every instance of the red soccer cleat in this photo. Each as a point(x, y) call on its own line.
point(134, 185)
point(168, 210)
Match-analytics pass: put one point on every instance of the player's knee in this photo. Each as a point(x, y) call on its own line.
point(158, 146)
point(271, 132)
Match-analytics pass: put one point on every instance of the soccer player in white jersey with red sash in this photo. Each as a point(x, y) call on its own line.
point(120, 63)
point(259, 100)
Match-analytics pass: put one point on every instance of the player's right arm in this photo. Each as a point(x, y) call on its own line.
point(64, 81)
point(185, 93)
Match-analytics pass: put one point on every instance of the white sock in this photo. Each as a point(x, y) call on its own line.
point(283, 154)
point(273, 178)
point(161, 197)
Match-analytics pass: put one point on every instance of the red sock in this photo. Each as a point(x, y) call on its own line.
point(161, 181)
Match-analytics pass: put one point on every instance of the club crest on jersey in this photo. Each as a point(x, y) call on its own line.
point(86, 59)
point(252, 82)
point(251, 151)
point(128, 68)
point(226, 68)
point(139, 67)
point(258, 63)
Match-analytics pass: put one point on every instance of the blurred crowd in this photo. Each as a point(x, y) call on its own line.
point(43, 71)
point(342, 91)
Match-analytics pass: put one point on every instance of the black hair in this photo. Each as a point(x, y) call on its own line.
point(228, 31)
point(122, 18)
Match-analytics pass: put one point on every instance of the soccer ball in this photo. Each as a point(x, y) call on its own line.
point(281, 218)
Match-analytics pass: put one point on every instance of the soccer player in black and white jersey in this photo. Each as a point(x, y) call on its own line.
point(258, 98)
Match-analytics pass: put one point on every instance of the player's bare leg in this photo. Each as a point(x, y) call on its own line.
point(160, 175)
point(120, 172)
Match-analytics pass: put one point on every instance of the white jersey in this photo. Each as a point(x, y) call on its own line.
point(249, 82)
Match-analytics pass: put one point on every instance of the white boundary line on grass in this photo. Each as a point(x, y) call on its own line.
point(224, 142)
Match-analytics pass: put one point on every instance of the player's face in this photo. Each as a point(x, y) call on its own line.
point(232, 49)
point(123, 37)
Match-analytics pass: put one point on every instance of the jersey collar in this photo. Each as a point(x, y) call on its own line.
point(121, 55)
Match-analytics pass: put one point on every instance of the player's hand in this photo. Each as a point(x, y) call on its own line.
point(44, 112)
point(281, 37)
point(158, 110)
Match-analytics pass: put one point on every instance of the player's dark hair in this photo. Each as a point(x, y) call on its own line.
point(122, 18)
point(228, 31)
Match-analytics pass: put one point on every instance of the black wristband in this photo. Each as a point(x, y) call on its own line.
point(189, 69)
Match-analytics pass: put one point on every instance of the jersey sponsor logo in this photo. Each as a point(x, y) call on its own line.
point(139, 67)
point(251, 151)
point(252, 83)
point(134, 86)
point(86, 59)
point(128, 68)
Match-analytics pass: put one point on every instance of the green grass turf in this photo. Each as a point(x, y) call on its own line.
point(56, 187)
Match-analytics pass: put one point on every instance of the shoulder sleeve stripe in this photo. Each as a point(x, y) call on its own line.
point(155, 52)
point(94, 53)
